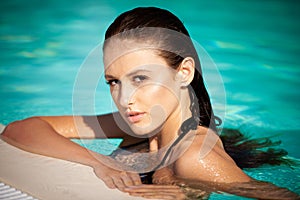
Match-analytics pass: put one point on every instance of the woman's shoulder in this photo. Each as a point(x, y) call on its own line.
point(206, 152)
point(206, 137)
point(203, 141)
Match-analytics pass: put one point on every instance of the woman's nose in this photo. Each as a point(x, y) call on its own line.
point(126, 96)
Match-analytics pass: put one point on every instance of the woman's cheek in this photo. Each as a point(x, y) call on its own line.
point(159, 96)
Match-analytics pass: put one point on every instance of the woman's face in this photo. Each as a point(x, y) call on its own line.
point(145, 90)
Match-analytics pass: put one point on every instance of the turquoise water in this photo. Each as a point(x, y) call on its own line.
point(255, 45)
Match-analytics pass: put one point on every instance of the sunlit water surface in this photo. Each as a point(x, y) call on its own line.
point(254, 44)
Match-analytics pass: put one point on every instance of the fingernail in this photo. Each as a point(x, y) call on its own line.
point(130, 187)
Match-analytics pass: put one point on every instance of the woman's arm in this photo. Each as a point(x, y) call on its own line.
point(101, 126)
point(218, 172)
point(38, 136)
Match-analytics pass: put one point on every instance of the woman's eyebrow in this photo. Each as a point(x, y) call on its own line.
point(108, 76)
point(134, 72)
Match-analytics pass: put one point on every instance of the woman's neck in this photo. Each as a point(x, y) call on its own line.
point(171, 128)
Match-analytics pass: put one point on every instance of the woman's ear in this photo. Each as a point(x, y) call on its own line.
point(186, 71)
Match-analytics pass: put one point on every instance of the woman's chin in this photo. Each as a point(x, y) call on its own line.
point(145, 130)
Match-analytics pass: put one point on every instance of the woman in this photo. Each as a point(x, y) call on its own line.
point(148, 54)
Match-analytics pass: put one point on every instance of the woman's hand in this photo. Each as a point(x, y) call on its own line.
point(165, 176)
point(116, 179)
point(156, 192)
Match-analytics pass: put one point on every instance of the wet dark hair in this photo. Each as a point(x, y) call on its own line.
point(245, 151)
point(178, 47)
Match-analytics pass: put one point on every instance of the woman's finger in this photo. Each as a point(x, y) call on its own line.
point(136, 180)
point(156, 191)
point(160, 195)
point(109, 182)
point(151, 187)
point(147, 196)
point(126, 178)
point(164, 197)
point(118, 182)
point(130, 179)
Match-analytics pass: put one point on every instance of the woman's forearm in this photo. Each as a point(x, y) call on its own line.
point(37, 136)
point(252, 189)
point(101, 126)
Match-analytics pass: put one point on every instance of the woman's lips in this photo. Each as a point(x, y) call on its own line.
point(134, 116)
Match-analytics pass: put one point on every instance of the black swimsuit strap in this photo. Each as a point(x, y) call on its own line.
point(146, 177)
point(189, 124)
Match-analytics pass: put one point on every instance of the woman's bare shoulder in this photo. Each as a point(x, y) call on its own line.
point(206, 137)
point(206, 160)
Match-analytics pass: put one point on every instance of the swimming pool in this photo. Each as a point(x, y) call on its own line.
point(254, 44)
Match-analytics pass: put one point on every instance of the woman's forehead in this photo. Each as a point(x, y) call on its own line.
point(117, 48)
point(137, 60)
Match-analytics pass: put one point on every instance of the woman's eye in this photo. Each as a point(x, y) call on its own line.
point(112, 82)
point(139, 79)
